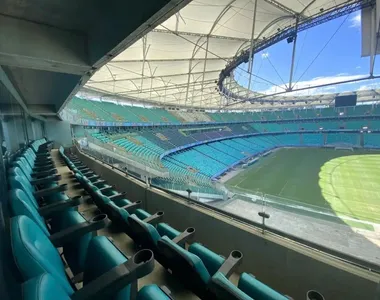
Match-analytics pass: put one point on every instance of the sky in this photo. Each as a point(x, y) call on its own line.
point(318, 61)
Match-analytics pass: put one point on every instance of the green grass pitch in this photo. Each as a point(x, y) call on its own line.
point(344, 182)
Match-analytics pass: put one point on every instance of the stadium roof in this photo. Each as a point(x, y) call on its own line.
point(179, 62)
point(50, 48)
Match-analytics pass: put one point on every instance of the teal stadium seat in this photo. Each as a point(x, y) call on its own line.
point(258, 290)
point(40, 265)
point(196, 266)
point(75, 250)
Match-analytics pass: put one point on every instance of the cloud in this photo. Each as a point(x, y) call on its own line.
point(356, 20)
point(371, 86)
point(265, 55)
point(358, 67)
point(309, 90)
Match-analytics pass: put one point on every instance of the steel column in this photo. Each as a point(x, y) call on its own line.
point(293, 56)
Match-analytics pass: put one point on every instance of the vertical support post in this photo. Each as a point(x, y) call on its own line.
point(145, 52)
point(151, 81)
point(373, 41)
point(25, 125)
point(188, 80)
point(177, 21)
point(293, 56)
point(204, 67)
point(250, 61)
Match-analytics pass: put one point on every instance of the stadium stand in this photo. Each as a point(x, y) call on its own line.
point(109, 111)
point(312, 139)
point(342, 138)
point(371, 140)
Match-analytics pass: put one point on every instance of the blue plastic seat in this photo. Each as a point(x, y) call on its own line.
point(226, 290)
point(196, 266)
point(40, 265)
point(18, 180)
point(74, 251)
point(258, 290)
point(43, 286)
point(147, 233)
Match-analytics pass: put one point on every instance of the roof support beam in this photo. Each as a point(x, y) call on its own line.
point(42, 110)
point(115, 62)
point(35, 46)
point(219, 37)
point(14, 92)
point(282, 7)
point(167, 87)
point(307, 7)
point(158, 77)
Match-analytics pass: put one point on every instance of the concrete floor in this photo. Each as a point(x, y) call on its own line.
point(360, 243)
point(159, 276)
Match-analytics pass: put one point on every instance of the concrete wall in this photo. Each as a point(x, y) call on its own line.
point(59, 132)
point(36, 128)
point(286, 266)
point(78, 130)
point(14, 133)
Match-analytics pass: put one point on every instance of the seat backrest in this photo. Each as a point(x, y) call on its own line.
point(165, 229)
point(146, 233)
point(24, 166)
point(226, 290)
point(31, 152)
point(33, 252)
point(83, 181)
point(150, 292)
point(142, 214)
point(190, 264)
point(16, 170)
point(115, 213)
point(20, 204)
point(20, 182)
point(258, 290)
point(43, 287)
point(211, 260)
point(29, 158)
point(103, 256)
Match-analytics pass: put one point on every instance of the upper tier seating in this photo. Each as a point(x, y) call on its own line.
point(112, 112)
point(191, 116)
point(89, 110)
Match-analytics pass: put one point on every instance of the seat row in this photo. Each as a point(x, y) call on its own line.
point(54, 248)
point(198, 268)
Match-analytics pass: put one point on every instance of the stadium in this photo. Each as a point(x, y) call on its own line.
point(177, 149)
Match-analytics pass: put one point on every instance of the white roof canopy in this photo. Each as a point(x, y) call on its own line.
point(179, 62)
